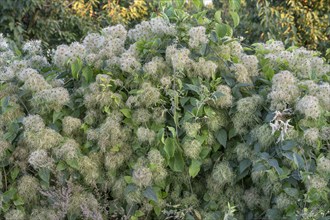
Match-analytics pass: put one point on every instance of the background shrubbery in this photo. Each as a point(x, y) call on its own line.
point(170, 119)
point(295, 22)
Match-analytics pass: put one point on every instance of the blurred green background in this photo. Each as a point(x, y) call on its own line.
point(295, 22)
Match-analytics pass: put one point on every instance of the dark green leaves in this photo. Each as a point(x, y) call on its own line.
point(221, 137)
point(289, 145)
point(223, 30)
point(217, 17)
point(194, 168)
point(4, 104)
point(298, 160)
point(76, 67)
point(126, 112)
point(235, 18)
point(44, 174)
point(8, 195)
point(173, 153)
point(87, 73)
point(170, 147)
point(244, 164)
point(177, 163)
point(274, 163)
point(150, 194)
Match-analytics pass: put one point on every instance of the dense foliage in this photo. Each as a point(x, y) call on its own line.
point(302, 23)
point(58, 21)
point(164, 121)
point(295, 22)
point(49, 21)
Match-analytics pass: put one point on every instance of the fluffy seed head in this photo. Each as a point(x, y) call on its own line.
point(35, 83)
point(44, 139)
point(252, 198)
point(69, 150)
point(50, 100)
point(311, 136)
point(15, 214)
point(323, 95)
point(226, 100)
point(32, 47)
point(70, 125)
point(316, 182)
point(251, 64)
point(309, 106)
point(155, 157)
point(325, 133)
point(191, 129)
point(89, 169)
point(27, 188)
point(264, 136)
point(284, 90)
point(142, 176)
point(43, 213)
point(223, 174)
point(39, 159)
point(145, 135)
point(283, 201)
point(192, 149)
point(33, 123)
point(197, 37)
point(323, 166)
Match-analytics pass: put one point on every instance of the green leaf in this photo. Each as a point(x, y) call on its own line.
point(4, 104)
point(234, 5)
point(150, 194)
point(298, 160)
point(274, 164)
point(87, 73)
point(126, 112)
point(57, 116)
point(217, 17)
point(198, 4)
point(138, 214)
point(73, 163)
point(231, 133)
point(178, 162)
point(268, 71)
point(221, 137)
point(214, 37)
point(76, 67)
point(194, 168)
point(44, 174)
point(128, 179)
point(205, 152)
point(172, 130)
point(170, 147)
point(289, 145)
point(191, 87)
point(244, 164)
point(209, 111)
point(292, 192)
point(14, 173)
point(61, 166)
point(235, 18)
point(223, 30)
point(157, 210)
point(8, 195)
point(18, 201)
point(216, 95)
point(130, 188)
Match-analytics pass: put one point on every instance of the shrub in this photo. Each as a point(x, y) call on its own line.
point(300, 23)
point(157, 123)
